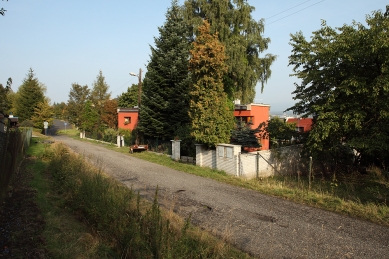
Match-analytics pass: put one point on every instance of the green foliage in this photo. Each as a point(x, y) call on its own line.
point(165, 93)
point(60, 110)
point(344, 85)
point(245, 136)
point(99, 94)
point(89, 118)
point(78, 96)
point(130, 98)
point(278, 130)
point(212, 119)
point(242, 37)
point(5, 104)
point(110, 115)
point(43, 112)
point(30, 95)
point(110, 135)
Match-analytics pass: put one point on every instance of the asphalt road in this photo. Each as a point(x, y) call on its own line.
point(261, 225)
point(58, 125)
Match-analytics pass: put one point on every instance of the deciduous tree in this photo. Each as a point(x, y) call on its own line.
point(110, 116)
point(90, 118)
point(344, 85)
point(210, 112)
point(130, 98)
point(78, 96)
point(243, 39)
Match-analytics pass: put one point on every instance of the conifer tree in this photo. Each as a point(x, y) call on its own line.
point(99, 94)
point(212, 118)
point(243, 40)
point(164, 105)
point(30, 95)
point(43, 112)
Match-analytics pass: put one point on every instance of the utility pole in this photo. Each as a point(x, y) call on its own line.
point(139, 86)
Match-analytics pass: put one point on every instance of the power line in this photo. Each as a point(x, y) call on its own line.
point(123, 85)
point(295, 12)
point(287, 9)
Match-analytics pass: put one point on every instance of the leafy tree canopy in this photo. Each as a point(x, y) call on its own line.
point(344, 75)
point(110, 116)
point(78, 96)
point(130, 98)
point(277, 130)
point(243, 40)
point(89, 117)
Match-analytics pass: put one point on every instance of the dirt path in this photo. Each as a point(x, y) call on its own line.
point(264, 226)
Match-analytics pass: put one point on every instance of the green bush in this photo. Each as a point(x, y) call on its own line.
point(110, 135)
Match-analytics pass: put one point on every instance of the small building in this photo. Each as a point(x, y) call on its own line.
point(254, 114)
point(302, 124)
point(128, 118)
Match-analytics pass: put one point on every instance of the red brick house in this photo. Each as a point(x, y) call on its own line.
point(127, 118)
point(255, 114)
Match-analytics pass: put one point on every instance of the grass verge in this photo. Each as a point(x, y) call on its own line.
point(89, 215)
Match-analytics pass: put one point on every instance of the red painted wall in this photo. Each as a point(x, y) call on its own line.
point(127, 113)
point(259, 114)
point(305, 123)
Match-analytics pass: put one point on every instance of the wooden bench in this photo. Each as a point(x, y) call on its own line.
point(138, 148)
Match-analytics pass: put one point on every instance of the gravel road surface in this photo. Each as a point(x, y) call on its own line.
point(261, 225)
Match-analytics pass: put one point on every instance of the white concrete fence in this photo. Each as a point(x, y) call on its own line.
point(265, 163)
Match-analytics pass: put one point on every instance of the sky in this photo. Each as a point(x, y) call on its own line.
point(67, 42)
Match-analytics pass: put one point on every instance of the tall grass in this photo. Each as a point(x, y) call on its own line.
point(134, 228)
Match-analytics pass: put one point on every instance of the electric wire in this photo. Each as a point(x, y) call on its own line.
point(287, 10)
point(123, 85)
point(295, 12)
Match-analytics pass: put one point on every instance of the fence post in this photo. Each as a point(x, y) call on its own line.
point(310, 172)
point(257, 169)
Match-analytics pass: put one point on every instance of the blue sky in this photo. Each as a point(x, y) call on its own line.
point(67, 42)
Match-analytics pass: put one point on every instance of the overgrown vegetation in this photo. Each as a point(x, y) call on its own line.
point(116, 222)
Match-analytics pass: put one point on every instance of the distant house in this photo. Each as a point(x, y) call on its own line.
point(128, 118)
point(302, 124)
point(255, 114)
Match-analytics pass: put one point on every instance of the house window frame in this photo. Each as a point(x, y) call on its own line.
point(127, 120)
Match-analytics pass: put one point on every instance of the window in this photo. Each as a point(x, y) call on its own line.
point(245, 119)
point(127, 120)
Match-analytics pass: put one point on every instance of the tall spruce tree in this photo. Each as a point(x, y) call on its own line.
point(99, 97)
point(164, 108)
point(242, 37)
point(30, 94)
point(211, 115)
